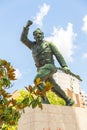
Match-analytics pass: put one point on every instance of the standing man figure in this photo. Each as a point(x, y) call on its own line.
point(43, 52)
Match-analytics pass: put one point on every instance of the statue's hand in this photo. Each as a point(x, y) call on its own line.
point(29, 23)
point(66, 69)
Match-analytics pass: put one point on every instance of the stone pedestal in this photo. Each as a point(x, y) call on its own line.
point(53, 117)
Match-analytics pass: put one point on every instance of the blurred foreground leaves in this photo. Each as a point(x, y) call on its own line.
point(12, 108)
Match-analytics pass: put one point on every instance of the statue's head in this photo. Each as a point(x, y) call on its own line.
point(38, 34)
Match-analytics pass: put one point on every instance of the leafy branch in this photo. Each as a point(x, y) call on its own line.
point(10, 108)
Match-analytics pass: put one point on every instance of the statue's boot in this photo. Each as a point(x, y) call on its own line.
point(58, 91)
point(69, 102)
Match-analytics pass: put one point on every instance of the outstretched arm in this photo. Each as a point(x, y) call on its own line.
point(58, 56)
point(24, 35)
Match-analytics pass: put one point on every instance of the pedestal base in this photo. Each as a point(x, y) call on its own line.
point(53, 117)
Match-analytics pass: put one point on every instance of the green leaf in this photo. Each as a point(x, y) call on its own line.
point(34, 103)
point(25, 101)
point(40, 105)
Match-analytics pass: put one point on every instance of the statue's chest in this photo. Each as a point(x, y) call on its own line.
point(40, 49)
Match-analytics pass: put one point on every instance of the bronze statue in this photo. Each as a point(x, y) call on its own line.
point(43, 52)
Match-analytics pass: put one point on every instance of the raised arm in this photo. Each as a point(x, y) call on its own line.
point(24, 35)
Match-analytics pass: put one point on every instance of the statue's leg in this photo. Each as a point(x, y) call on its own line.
point(43, 73)
point(58, 91)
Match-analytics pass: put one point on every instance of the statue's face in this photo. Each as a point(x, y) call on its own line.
point(38, 35)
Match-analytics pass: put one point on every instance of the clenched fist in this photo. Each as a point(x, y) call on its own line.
point(29, 23)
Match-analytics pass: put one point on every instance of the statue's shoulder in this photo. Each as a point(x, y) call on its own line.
point(51, 44)
point(47, 42)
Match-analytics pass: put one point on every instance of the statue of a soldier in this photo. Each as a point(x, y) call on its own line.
point(43, 52)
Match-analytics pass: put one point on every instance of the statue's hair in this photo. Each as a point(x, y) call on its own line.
point(38, 30)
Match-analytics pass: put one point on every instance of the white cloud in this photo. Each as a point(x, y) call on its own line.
point(18, 74)
point(84, 27)
point(85, 55)
point(40, 15)
point(64, 40)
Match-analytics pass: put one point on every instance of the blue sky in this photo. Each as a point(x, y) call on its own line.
point(63, 22)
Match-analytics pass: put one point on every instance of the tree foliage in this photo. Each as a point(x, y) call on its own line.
point(10, 108)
